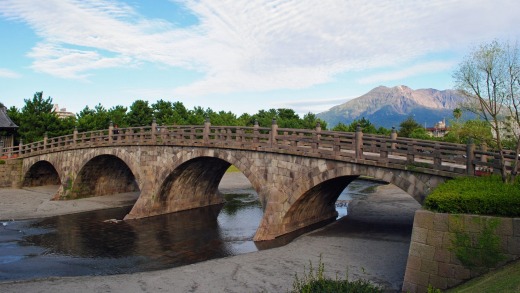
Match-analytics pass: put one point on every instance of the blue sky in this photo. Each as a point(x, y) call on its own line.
point(237, 55)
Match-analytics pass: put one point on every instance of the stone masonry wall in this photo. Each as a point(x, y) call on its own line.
point(432, 259)
point(11, 173)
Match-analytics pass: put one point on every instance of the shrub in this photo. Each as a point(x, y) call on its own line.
point(476, 195)
point(314, 282)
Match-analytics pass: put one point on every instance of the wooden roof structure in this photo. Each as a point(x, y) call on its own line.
point(5, 122)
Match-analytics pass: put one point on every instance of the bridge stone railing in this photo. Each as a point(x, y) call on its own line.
point(403, 153)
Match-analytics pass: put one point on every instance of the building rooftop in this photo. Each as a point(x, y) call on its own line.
point(5, 121)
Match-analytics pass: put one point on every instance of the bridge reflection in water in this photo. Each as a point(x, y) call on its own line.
point(86, 244)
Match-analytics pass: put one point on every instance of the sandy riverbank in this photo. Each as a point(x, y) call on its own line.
point(372, 243)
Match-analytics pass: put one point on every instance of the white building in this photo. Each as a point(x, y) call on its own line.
point(62, 113)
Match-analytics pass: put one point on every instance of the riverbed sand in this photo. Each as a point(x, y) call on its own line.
point(371, 242)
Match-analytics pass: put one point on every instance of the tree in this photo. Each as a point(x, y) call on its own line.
point(489, 77)
point(140, 114)
point(37, 117)
point(163, 112)
point(93, 119)
point(117, 115)
point(408, 126)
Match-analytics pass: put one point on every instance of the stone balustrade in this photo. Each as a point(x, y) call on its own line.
point(403, 153)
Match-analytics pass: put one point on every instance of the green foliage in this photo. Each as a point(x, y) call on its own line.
point(478, 249)
point(477, 130)
point(476, 195)
point(37, 118)
point(504, 280)
point(2, 162)
point(117, 115)
point(408, 126)
point(315, 281)
point(93, 119)
point(287, 118)
point(140, 114)
point(366, 127)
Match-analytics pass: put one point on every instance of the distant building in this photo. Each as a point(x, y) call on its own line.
point(62, 113)
point(8, 128)
point(439, 130)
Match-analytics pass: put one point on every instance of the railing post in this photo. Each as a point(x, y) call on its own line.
point(274, 132)
point(154, 130)
point(20, 147)
point(255, 133)
point(484, 148)
point(75, 135)
point(45, 140)
point(393, 136)
point(318, 134)
point(470, 156)
point(205, 134)
point(358, 140)
point(110, 131)
point(437, 160)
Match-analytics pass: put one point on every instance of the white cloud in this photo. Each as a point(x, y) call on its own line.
point(6, 73)
point(422, 68)
point(245, 45)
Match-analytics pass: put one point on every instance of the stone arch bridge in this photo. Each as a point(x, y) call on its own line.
point(298, 174)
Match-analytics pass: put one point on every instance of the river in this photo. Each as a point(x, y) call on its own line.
point(91, 243)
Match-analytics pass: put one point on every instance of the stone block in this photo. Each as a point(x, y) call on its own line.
point(438, 282)
point(429, 266)
point(455, 222)
point(513, 245)
point(414, 262)
point(442, 255)
point(419, 235)
point(516, 227)
point(425, 252)
point(462, 273)
point(505, 227)
point(409, 287)
point(446, 270)
point(472, 223)
point(423, 219)
point(435, 238)
point(420, 278)
point(440, 222)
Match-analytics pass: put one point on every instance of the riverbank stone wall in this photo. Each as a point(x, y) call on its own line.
point(449, 249)
point(11, 173)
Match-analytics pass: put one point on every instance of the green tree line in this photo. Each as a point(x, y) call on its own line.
point(36, 118)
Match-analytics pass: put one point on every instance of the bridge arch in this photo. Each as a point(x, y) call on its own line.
point(103, 175)
point(190, 181)
point(41, 173)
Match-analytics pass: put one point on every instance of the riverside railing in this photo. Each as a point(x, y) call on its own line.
point(356, 146)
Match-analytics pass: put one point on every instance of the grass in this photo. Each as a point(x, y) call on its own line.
point(505, 279)
point(232, 168)
point(314, 281)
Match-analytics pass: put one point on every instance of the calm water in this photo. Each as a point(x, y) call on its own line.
point(85, 244)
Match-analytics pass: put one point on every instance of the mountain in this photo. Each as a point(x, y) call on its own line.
point(388, 107)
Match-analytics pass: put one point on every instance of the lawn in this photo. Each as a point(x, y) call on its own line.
point(504, 280)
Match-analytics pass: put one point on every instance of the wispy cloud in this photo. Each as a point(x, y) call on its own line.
point(6, 73)
point(422, 68)
point(245, 45)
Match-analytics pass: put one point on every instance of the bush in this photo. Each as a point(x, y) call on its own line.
point(315, 282)
point(486, 195)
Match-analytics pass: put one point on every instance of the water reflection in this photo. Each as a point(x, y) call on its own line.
point(88, 244)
